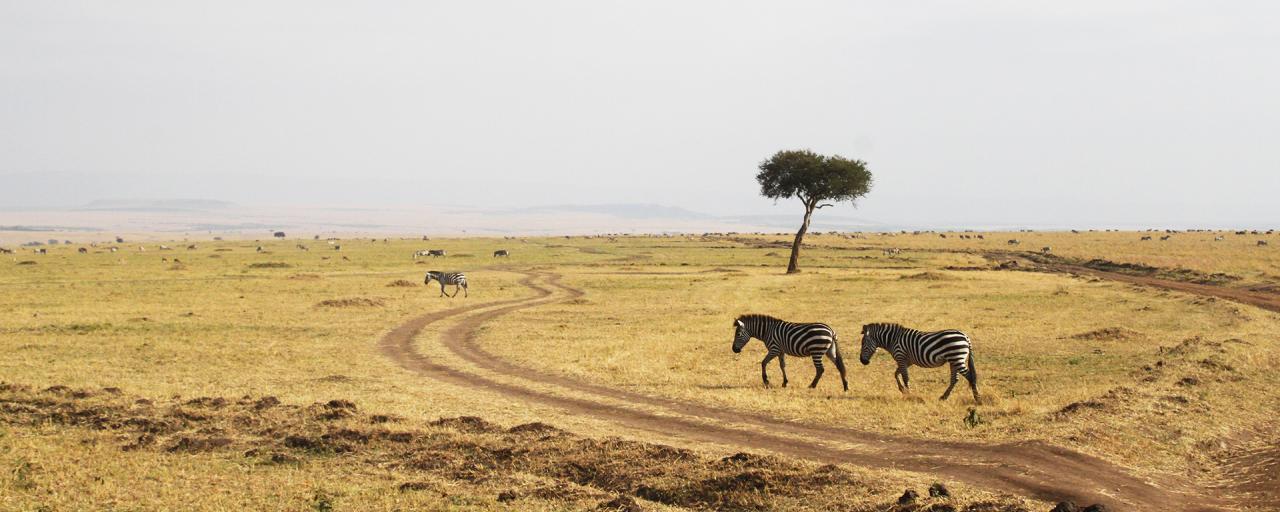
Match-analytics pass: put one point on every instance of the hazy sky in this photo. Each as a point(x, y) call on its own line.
point(1017, 111)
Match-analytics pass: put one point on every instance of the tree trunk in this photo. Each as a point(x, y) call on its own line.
point(794, 265)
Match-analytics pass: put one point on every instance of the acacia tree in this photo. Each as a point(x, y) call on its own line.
point(813, 179)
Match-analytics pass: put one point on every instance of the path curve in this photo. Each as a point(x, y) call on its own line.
point(1032, 468)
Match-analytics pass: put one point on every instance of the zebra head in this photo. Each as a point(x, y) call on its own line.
point(430, 275)
point(740, 335)
point(870, 342)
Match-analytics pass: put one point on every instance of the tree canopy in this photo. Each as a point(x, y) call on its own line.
point(813, 178)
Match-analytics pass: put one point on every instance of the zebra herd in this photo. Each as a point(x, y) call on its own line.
point(909, 347)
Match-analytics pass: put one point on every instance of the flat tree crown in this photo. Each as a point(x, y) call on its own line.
point(812, 177)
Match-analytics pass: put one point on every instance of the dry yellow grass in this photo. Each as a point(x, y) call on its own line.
point(656, 320)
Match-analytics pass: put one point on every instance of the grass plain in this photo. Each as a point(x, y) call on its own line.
point(1162, 383)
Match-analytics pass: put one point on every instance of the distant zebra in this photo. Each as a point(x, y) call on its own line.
point(1218, 238)
point(892, 252)
point(923, 349)
point(1260, 243)
point(1046, 250)
point(82, 250)
point(501, 253)
point(789, 339)
point(457, 279)
point(1014, 241)
point(1165, 238)
point(1144, 239)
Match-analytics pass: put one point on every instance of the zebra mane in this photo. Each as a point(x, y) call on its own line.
point(754, 316)
point(889, 325)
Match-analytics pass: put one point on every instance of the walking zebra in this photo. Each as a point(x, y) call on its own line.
point(457, 279)
point(923, 349)
point(789, 339)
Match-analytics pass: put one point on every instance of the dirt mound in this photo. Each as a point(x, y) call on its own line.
point(1108, 334)
point(351, 303)
point(401, 283)
point(928, 276)
point(270, 264)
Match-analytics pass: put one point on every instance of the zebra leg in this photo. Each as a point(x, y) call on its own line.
point(782, 363)
point(764, 367)
point(839, 361)
point(817, 365)
point(955, 376)
point(455, 290)
point(442, 293)
point(897, 374)
point(971, 375)
point(465, 293)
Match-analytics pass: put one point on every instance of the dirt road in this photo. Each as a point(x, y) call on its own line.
point(1032, 469)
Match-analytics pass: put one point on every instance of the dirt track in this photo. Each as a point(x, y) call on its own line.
point(1033, 469)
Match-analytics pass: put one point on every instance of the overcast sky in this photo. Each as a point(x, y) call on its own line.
point(1036, 112)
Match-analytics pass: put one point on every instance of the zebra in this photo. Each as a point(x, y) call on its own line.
point(420, 254)
point(83, 250)
point(923, 349)
point(1046, 250)
point(1144, 239)
point(1014, 241)
point(892, 252)
point(1260, 243)
point(457, 279)
point(501, 253)
point(789, 339)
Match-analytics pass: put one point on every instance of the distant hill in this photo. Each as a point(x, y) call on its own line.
point(625, 211)
point(156, 205)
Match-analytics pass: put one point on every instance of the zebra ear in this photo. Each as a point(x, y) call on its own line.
point(739, 324)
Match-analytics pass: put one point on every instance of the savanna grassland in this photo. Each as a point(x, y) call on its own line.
point(224, 377)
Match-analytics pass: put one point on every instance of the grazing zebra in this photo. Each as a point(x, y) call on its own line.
point(789, 339)
point(923, 349)
point(1144, 239)
point(1046, 250)
point(1014, 241)
point(892, 252)
point(1260, 243)
point(1165, 238)
point(82, 250)
point(457, 279)
point(501, 253)
point(1218, 239)
point(5, 251)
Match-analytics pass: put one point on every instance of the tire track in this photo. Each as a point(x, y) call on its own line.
point(1034, 469)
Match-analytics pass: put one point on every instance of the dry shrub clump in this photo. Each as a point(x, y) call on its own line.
point(401, 283)
point(270, 264)
point(353, 302)
point(468, 451)
point(1108, 334)
point(928, 276)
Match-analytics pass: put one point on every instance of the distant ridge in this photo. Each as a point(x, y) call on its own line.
point(625, 211)
point(156, 205)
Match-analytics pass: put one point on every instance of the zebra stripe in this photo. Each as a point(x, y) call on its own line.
point(457, 279)
point(789, 339)
point(924, 349)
